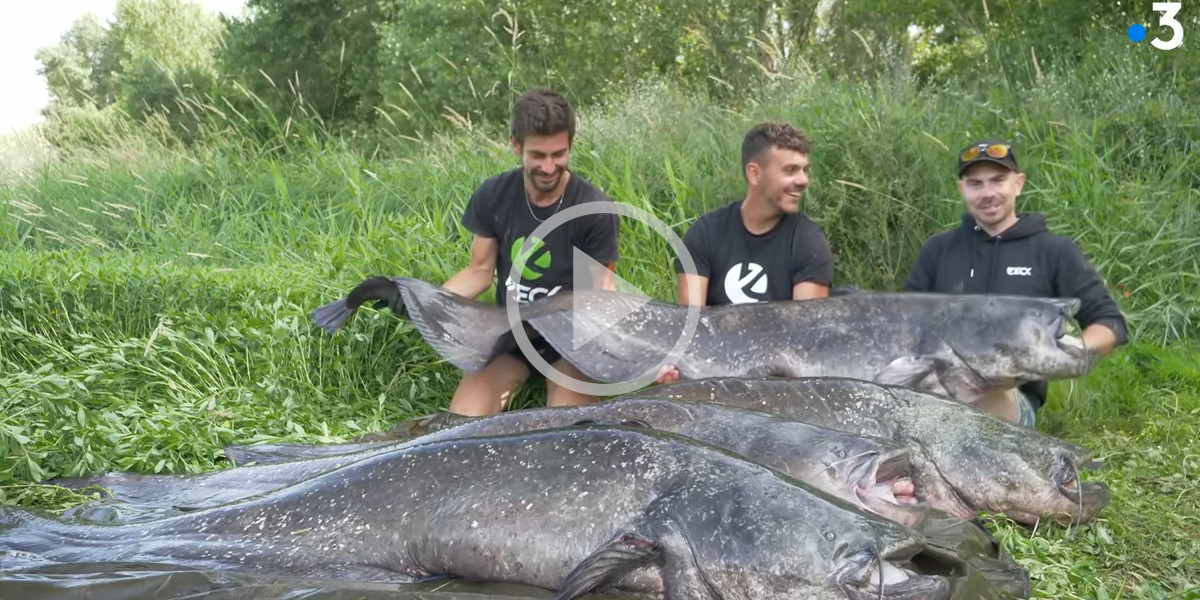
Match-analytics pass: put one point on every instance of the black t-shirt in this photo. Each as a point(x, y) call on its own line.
point(743, 267)
point(499, 209)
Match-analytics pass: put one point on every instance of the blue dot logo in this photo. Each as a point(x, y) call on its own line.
point(1137, 32)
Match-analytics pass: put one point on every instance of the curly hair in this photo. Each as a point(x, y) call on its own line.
point(542, 111)
point(772, 134)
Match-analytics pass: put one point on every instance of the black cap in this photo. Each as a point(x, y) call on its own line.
point(1009, 159)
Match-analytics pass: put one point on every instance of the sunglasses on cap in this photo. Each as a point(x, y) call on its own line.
point(992, 150)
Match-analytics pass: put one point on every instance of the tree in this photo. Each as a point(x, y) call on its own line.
point(74, 67)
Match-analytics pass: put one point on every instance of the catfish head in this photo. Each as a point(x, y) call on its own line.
point(871, 473)
point(975, 345)
point(1024, 474)
point(765, 538)
point(877, 479)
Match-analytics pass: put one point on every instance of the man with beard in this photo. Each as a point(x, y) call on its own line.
point(502, 213)
point(761, 247)
point(996, 250)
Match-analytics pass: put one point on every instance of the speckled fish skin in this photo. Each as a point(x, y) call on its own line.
point(966, 461)
point(962, 346)
point(833, 462)
point(857, 469)
point(566, 510)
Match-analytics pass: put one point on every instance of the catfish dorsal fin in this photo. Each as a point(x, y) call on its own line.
point(623, 553)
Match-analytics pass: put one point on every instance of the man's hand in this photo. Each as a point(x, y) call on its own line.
point(1100, 338)
point(603, 277)
point(667, 374)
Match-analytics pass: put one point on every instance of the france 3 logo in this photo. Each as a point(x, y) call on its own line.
point(1169, 10)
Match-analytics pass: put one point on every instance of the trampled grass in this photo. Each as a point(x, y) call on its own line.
point(1140, 413)
point(154, 300)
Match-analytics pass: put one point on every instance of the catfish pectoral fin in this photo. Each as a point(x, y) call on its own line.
point(623, 553)
point(907, 371)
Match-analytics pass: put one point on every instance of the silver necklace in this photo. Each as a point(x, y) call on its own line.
point(529, 205)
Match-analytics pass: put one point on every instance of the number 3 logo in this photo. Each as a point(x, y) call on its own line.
point(1168, 10)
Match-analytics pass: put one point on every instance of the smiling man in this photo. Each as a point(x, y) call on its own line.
point(761, 247)
point(502, 213)
point(997, 250)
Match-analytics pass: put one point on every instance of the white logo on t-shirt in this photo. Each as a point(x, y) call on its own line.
point(1026, 271)
point(735, 282)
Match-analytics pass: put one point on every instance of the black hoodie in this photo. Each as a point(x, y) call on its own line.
point(1026, 260)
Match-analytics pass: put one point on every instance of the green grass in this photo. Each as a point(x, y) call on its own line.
point(1140, 412)
point(23, 152)
point(154, 299)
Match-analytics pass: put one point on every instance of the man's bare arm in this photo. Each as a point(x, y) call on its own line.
point(807, 290)
point(693, 289)
point(602, 276)
point(475, 278)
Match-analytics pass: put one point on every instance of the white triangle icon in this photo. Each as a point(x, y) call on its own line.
point(587, 321)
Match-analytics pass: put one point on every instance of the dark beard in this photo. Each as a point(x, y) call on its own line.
point(533, 180)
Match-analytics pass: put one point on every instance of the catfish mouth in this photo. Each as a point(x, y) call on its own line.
point(1093, 495)
point(884, 485)
point(1064, 499)
point(1086, 499)
point(1065, 355)
point(1069, 344)
point(867, 575)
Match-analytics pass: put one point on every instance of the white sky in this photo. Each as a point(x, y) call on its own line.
point(26, 27)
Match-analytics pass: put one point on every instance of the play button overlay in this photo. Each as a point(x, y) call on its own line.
point(586, 326)
point(587, 322)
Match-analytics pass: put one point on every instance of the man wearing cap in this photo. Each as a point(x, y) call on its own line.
point(997, 250)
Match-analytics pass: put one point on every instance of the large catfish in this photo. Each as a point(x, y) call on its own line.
point(573, 510)
point(966, 461)
point(871, 473)
point(961, 346)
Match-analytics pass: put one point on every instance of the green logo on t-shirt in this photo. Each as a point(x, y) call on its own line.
point(537, 255)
